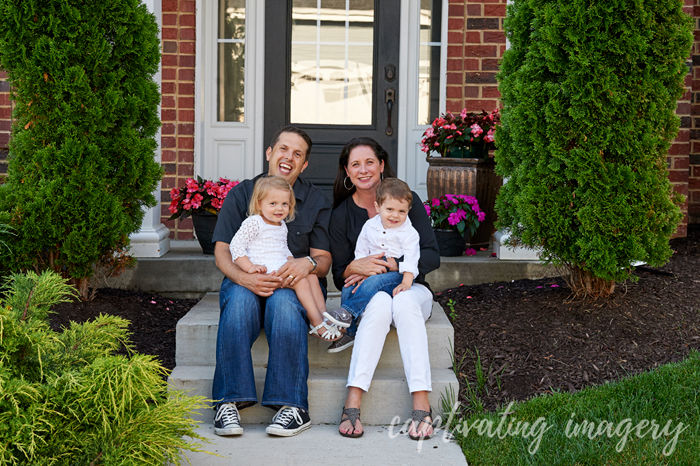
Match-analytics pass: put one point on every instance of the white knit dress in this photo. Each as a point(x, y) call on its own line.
point(263, 244)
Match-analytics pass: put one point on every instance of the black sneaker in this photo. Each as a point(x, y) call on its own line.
point(289, 421)
point(343, 343)
point(227, 420)
point(340, 317)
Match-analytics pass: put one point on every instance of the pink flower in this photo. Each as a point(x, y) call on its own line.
point(454, 219)
point(175, 194)
point(470, 252)
point(437, 144)
point(481, 216)
point(476, 130)
point(427, 210)
point(197, 201)
point(429, 133)
point(436, 202)
point(173, 206)
point(463, 113)
point(489, 136)
point(192, 185)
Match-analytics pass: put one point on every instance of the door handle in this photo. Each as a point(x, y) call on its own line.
point(389, 99)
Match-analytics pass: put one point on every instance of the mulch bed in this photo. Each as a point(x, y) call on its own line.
point(153, 318)
point(538, 340)
point(529, 334)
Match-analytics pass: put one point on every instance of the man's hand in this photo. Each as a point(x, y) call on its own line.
point(293, 270)
point(259, 283)
point(370, 265)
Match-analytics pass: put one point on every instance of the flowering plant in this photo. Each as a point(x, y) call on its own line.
point(455, 212)
point(199, 195)
point(460, 131)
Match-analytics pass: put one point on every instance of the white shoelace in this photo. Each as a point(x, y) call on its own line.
point(229, 414)
point(285, 415)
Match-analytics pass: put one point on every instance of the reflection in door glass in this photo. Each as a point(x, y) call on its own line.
point(231, 61)
point(332, 58)
point(429, 61)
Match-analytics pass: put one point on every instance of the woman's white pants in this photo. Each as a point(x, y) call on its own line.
point(408, 312)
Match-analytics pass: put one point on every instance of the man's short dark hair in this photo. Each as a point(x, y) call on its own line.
point(394, 188)
point(294, 130)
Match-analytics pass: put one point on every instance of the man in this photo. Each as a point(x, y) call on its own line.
point(251, 301)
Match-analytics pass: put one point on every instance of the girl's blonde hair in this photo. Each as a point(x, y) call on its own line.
point(265, 185)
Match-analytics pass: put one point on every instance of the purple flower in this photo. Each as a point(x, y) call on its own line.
point(454, 219)
point(481, 216)
point(470, 252)
point(462, 213)
point(436, 202)
point(427, 210)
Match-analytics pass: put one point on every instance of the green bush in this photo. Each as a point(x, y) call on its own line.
point(589, 92)
point(67, 398)
point(81, 166)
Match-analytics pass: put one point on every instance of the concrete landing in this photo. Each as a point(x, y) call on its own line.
point(185, 272)
point(322, 445)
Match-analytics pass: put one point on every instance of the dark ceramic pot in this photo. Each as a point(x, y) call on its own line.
point(204, 224)
point(450, 242)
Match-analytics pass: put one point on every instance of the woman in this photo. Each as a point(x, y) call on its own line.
point(362, 165)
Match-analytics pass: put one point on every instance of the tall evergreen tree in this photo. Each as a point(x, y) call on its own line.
point(589, 90)
point(82, 165)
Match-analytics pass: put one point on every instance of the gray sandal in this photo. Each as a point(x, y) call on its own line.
point(418, 418)
point(352, 415)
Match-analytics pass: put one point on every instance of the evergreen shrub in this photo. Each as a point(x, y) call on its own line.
point(589, 93)
point(69, 399)
point(81, 166)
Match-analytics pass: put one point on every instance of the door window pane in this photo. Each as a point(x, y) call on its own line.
point(429, 61)
point(231, 61)
point(332, 59)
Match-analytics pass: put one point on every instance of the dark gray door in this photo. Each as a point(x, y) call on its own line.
point(332, 71)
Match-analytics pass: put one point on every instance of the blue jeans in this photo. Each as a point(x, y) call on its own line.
point(356, 303)
point(243, 314)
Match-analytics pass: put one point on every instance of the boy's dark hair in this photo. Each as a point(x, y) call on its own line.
point(394, 188)
point(298, 132)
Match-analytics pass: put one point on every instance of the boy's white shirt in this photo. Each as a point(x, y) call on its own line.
point(393, 242)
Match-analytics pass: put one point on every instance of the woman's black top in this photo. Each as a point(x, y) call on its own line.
point(347, 221)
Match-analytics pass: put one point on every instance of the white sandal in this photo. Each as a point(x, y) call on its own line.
point(332, 332)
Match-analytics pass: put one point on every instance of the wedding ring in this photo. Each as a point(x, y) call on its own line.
point(292, 277)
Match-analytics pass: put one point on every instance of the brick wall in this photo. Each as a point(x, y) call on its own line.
point(476, 43)
point(177, 106)
point(5, 121)
point(694, 158)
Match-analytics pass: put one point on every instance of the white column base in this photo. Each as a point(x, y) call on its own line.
point(508, 253)
point(150, 241)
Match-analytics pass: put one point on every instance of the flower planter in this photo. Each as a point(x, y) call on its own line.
point(471, 177)
point(474, 151)
point(450, 242)
point(204, 224)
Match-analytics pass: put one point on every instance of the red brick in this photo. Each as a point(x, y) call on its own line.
point(681, 163)
point(185, 129)
point(472, 92)
point(169, 19)
point(472, 37)
point(169, 5)
point(471, 64)
point(454, 65)
point(454, 51)
point(683, 136)
point(169, 60)
point(187, 34)
point(4, 99)
point(696, 84)
point(187, 6)
point(185, 88)
point(168, 142)
point(455, 23)
point(687, 96)
point(693, 184)
point(454, 78)
point(490, 64)
point(168, 115)
point(494, 37)
point(167, 101)
point(484, 1)
point(456, 11)
point(187, 61)
point(502, 50)
point(473, 10)
point(5, 126)
point(473, 105)
point(490, 92)
point(187, 20)
point(167, 128)
point(168, 156)
point(453, 92)
point(681, 188)
point(679, 149)
point(3, 75)
point(168, 182)
point(5, 113)
point(454, 106)
point(187, 48)
point(185, 170)
point(169, 33)
point(480, 51)
point(683, 108)
point(184, 235)
point(495, 10)
point(4, 140)
point(186, 74)
point(168, 88)
point(185, 102)
point(185, 156)
point(455, 37)
point(185, 143)
point(168, 74)
point(186, 115)
point(678, 176)
point(682, 230)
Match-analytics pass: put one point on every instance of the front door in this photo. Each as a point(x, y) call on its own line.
point(331, 69)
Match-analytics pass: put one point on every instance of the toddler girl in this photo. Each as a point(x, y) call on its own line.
point(260, 246)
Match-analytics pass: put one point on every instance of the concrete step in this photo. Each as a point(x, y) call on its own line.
point(387, 397)
point(196, 340)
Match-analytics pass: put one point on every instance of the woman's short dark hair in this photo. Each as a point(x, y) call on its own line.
point(340, 192)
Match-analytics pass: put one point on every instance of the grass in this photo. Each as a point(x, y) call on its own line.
point(605, 425)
